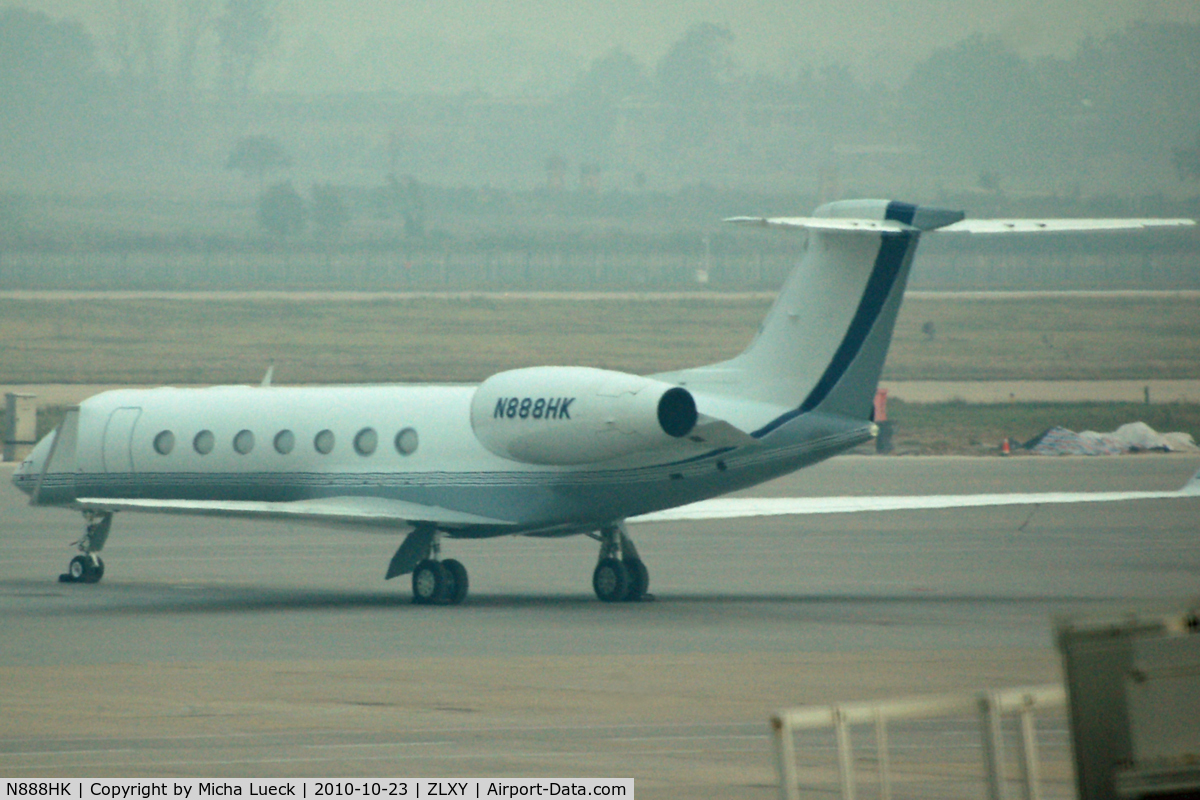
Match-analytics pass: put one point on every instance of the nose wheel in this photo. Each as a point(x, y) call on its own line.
point(620, 575)
point(87, 567)
point(84, 569)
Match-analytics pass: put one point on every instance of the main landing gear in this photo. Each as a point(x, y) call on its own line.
point(434, 582)
point(439, 582)
point(87, 567)
point(620, 575)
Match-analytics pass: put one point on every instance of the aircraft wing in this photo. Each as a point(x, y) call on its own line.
point(353, 510)
point(732, 507)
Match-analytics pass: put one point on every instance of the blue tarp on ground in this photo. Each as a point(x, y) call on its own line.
point(1134, 437)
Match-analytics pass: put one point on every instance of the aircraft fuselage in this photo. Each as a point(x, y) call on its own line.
point(402, 442)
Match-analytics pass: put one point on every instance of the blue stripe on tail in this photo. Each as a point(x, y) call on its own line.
point(892, 250)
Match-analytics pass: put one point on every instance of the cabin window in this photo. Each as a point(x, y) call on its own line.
point(203, 442)
point(324, 442)
point(164, 443)
point(285, 440)
point(406, 442)
point(365, 441)
point(244, 442)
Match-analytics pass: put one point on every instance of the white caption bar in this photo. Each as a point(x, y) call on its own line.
point(409, 788)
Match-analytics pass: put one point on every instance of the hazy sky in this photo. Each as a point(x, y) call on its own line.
point(881, 40)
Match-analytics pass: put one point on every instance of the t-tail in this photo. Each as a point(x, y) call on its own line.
point(823, 344)
point(824, 341)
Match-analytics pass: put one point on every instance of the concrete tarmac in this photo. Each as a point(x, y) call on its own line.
point(226, 648)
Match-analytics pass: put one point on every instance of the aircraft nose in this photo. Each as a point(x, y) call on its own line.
point(20, 477)
point(26, 473)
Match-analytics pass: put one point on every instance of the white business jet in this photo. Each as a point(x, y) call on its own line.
point(542, 451)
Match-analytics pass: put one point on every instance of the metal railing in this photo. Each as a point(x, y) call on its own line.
point(989, 705)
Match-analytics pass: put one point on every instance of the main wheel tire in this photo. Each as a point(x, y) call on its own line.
point(610, 580)
point(429, 582)
point(456, 591)
point(639, 579)
point(97, 570)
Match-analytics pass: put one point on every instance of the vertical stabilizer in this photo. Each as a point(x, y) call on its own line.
point(822, 345)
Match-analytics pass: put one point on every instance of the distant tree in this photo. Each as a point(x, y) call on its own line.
point(841, 104)
point(976, 102)
point(329, 213)
point(255, 156)
point(613, 76)
point(410, 200)
point(591, 108)
point(1187, 161)
point(245, 32)
point(692, 78)
point(136, 43)
point(48, 80)
point(194, 18)
point(281, 210)
point(1140, 83)
point(696, 67)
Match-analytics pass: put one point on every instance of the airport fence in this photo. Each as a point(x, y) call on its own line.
point(725, 261)
point(949, 746)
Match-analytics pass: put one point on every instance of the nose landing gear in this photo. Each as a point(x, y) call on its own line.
point(87, 567)
point(84, 569)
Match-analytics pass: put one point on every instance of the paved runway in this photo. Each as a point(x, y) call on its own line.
point(221, 648)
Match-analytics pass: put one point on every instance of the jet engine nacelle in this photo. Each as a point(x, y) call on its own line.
point(578, 415)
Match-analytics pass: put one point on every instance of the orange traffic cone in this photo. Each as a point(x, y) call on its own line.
point(1005, 448)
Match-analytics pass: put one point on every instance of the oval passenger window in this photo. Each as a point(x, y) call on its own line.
point(285, 440)
point(243, 442)
point(406, 442)
point(203, 442)
point(365, 441)
point(164, 443)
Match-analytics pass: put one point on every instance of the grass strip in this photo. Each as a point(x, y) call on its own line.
point(979, 428)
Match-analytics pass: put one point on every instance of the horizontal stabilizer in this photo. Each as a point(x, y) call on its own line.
point(1058, 225)
point(835, 224)
point(847, 225)
point(357, 510)
point(736, 507)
